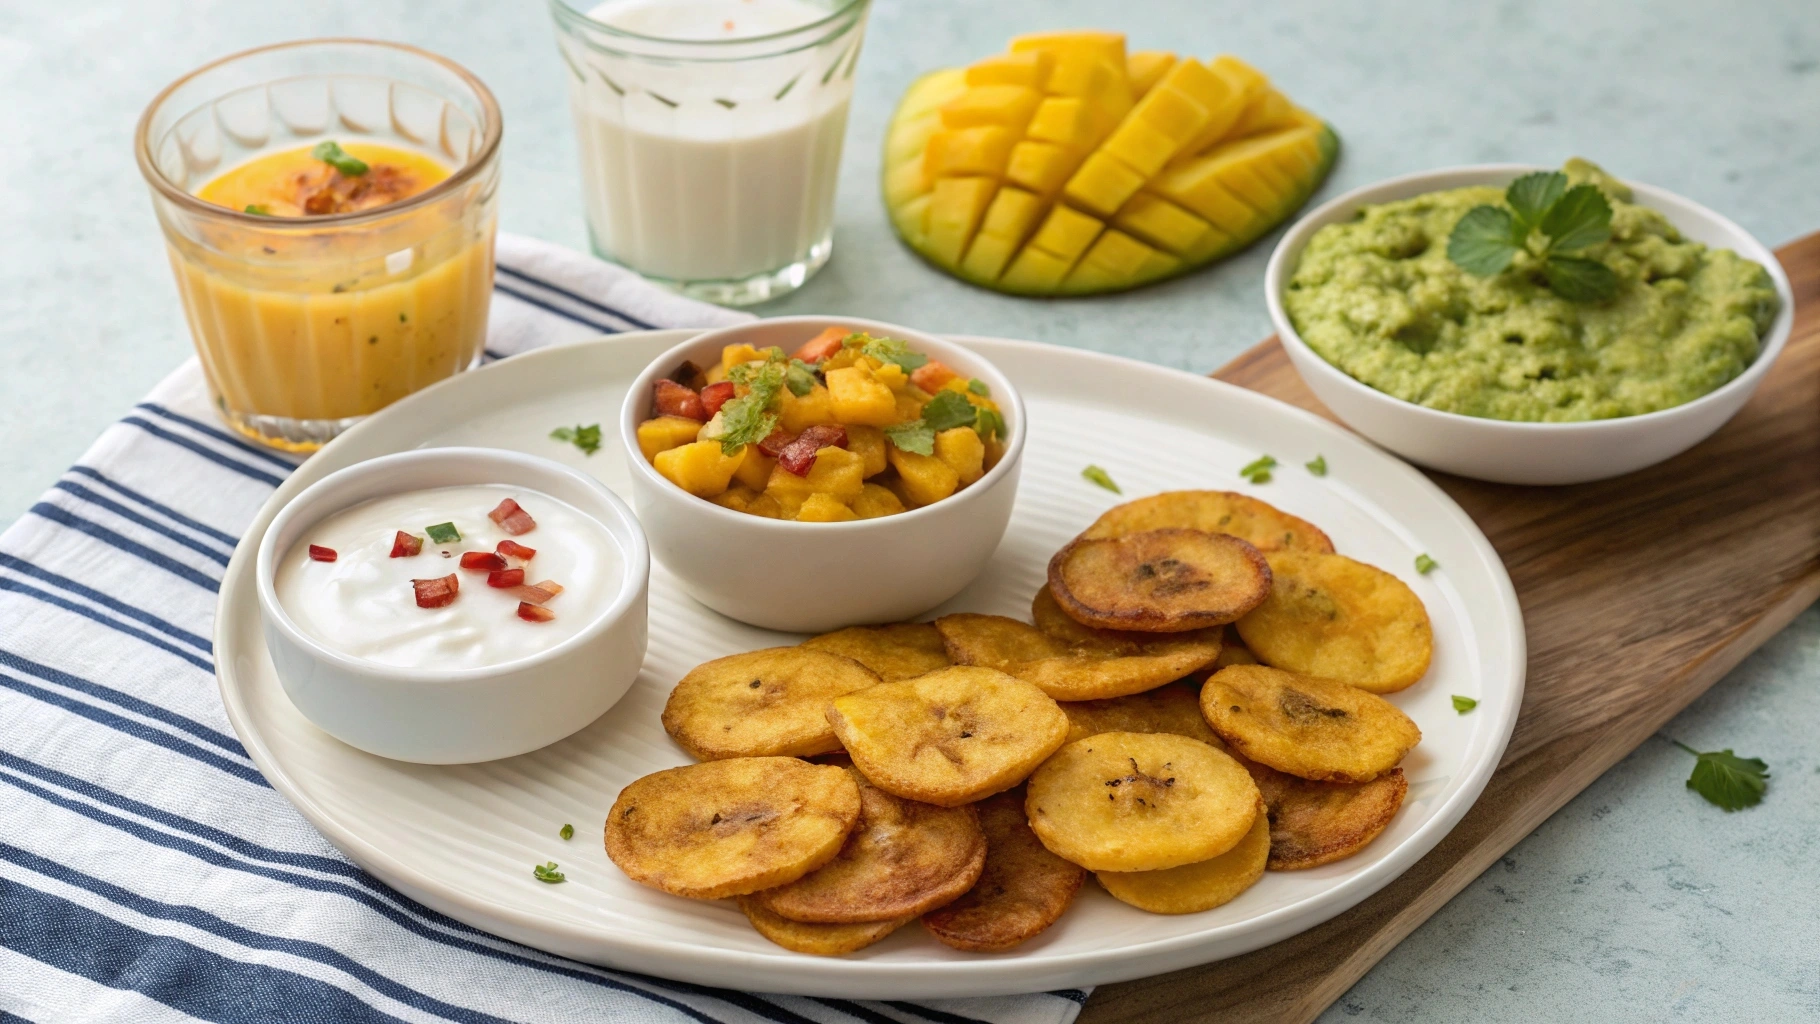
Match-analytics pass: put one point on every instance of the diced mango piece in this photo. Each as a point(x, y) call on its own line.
point(767, 506)
point(738, 497)
point(955, 209)
point(906, 140)
point(1041, 167)
point(1109, 46)
point(1248, 167)
point(662, 433)
point(698, 468)
point(910, 402)
point(958, 152)
point(824, 508)
point(1243, 83)
point(1012, 215)
point(906, 180)
point(1029, 69)
point(1141, 146)
point(735, 354)
point(1145, 68)
point(797, 414)
point(987, 256)
point(1267, 111)
point(911, 219)
point(1009, 106)
point(869, 444)
point(1103, 184)
point(1093, 78)
point(876, 500)
point(891, 375)
point(1066, 233)
point(924, 479)
point(1118, 260)
point(858, 397)
point(1035, 271)
point(755, 468)
point(1065, 120)
point(1196, 186)
point(1163, 224)
point(929, 92)
point(837, 472)
point(963, 451)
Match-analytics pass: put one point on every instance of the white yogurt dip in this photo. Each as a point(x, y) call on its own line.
point(363, 604)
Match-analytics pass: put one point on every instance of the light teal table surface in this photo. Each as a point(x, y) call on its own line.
point(1635, 902)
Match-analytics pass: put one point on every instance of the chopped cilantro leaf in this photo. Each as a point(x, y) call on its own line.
point(567, 831)
point(989, 425)
point(1101, 478)
point(443, 533)
point(748, 419)
point(547, 873)
point(1318, 465)
point(1463, 704)
point(331, 153)
point(586, 438)
point(1425, 564)
point(799, 378)
point(1257, 471)
point(259, 209)
point(887, 350)
point(979, 388)
point(1725, 779)
point(916, 437)
point(949, 409)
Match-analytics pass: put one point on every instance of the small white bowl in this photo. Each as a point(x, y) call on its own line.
point(815, 577)
point(458, 716)
point(1500, 450)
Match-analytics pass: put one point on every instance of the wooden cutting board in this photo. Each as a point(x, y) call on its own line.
point(1638, 594)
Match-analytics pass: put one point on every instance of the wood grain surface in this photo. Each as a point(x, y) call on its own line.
point(1637, 593)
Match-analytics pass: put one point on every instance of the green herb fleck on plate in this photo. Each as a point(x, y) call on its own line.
point(443, 533)
point(1425, 564)
point(568, 832)
point(547, 873)
point(1317, 465)
point(330, 152)
point(1102, 478)
point(1725, 779)
point(1460, 704)
point(1258, 470)
point(586, 438)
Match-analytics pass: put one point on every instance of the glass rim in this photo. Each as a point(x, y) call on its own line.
point(565, 9)
point(492, 130)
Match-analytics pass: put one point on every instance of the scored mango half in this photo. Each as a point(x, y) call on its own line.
point(1066, 166)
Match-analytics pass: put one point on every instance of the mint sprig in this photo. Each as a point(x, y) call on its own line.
point(1545, 219)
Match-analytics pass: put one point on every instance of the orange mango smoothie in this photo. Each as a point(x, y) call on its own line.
point(327, 304)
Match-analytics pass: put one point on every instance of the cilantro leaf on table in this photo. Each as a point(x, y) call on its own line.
point(547, 872)
point(1317, 465)
point(586, 438)
point(1725, 779)
point(949, 409)
point(1488, 239)
point(1463, 704)
point(1102, 478)
point(916, 437)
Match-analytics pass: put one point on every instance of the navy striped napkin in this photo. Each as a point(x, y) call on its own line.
point(147, 871)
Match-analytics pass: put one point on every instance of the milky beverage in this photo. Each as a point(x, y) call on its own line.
point(731, 181)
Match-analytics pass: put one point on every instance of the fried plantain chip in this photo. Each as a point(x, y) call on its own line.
point(1233, 651)
point(762, 703)
point(1312, 728)
point(1265, 526)
point(949, 737)
point(1316, 823)
point(1128, 801)
point(1172, 708)
point(1193, 888)
point(727, 828)
point(1066, 672)
point(1332, 617)
point(1159, 581)
point(903, 859)
point(817, 939)
point(1022, 891)
point(899, 651)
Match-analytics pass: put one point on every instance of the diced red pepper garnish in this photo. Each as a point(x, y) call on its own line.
point(436, 593)
point(537, 593)
point(503, 578)
point(823, 345)
point(799, 455)
point(512, 519)
point(716, 395)
point(513, 549)
point(672, 399)
point(534, 612)
point(931, 376)
point(482, 561)
point(318, 553)
point(404, 545)
point(774, 445)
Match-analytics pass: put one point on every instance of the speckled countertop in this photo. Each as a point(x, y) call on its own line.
point(1637, 901)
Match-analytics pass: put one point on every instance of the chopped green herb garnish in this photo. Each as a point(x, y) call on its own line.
point(568, 832)
point(989, 425)
point(547, 873)
point(331, 153)
point(1460, 704)
point(949, 409)
point(916, 437)
point(1425, 564)
point(799, 377)
point(443, 533)
point(887, 350)
point(1258, 470)
point(1317, 465)
point(979, 388)
point(1725, 779)
point(1544, 221)
point(586, 438)
point(748, 419)
point(259, 209)
point(1101, 478)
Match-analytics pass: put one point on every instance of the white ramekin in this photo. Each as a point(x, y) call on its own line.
point(457, 716)
point(814, 577)
point(1499, 450)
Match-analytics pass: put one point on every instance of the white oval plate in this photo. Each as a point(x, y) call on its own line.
point(462, 839)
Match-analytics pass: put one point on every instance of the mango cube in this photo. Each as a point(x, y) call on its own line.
point(735, 354)
point(891, 375)
point(797, 414)
point(1041, 167)
point(1103, 184)
point(1029, 69)
point(869, 444)
point(662, 433)
point(1066, 233)
point(1066, 121)
point(1117, 257)
point(1145, 68)
point(963, 451)
point(923, 479)
point(824, 508)
point(968, 151)
point(1035, 271)
point(837, 472)
point(755, 468)
point(876, 500)
point(1164, 224)
point(1140, 145)
point(955, 208)
point(858, 398)
point(698, 468)
point(1009, 106)
point(737, 497)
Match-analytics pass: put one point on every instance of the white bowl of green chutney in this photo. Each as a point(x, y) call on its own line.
point(1500, 378)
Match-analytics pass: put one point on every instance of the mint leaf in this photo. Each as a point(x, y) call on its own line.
point(1578, 279)
point(1463, 704)
point(547, 873)
point(1531, 195)
point(1425, 564)
point(1318, 465)
point(949, 409)
point(1102, 478)
point(916, 437)
point(1484, 241)
point(1258, 470)
point(1725, 779)
point(586, 438)
point(331, 153)
point(799, 377)
point(979, 388)
point(1581, 217)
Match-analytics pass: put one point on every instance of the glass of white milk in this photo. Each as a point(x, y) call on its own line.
point(710, 134)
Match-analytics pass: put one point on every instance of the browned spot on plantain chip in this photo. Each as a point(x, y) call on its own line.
point(1266, 527)
point(1316, 823)
point(762, 703)
point(727, 828)
point(816, 939)
point(949, 737)
point(1127, 801)
point(904, 858)
point(1022, 891)
point(1159, 581)
point(899, 651)
point(1172, 708)
point(1067, 672)
point(1312, 728)
point(1332, 617)
point(1193, 888)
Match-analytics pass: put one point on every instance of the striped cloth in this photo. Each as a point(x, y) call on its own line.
point(147, 870)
